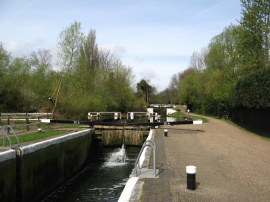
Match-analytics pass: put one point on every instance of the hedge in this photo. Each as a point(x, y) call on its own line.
point(253, 91)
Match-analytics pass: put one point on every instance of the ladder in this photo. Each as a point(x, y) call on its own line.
point(5, 136)
point(148, 173)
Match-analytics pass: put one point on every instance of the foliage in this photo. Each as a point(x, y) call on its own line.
point(253, 91)
point(192, 117)
point(255, 30)
point(86, 79)
point(144, 89)
point(190, 89)
point(234, 70)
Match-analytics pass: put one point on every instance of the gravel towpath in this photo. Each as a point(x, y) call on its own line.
point(232, 164)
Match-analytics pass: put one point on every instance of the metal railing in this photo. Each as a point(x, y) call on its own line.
point(147, 143)
point(6, 136)
point(21, 120)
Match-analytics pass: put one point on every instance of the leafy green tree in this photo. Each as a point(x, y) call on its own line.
point(41, 79)
point(254, 41)
point(144, 89)
point(97, 77)
point(70, 42)
point(4, 64)
point(117, 87)
point(223, 68)
point(89, 79)
point(17, 96)
point(88, 67)
point(191, 89)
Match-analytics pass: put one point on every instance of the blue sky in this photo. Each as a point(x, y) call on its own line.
point(154, 37)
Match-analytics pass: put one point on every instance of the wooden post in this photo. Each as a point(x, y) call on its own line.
point(27, 121)
point(8, 123)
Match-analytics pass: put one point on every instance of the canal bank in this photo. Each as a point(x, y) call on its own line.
point(34, 170)
point(140, 188)
point(30, 172)
point(232, 165)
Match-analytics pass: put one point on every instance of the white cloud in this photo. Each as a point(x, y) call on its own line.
point(154, 37)
point(148, 74)
point(158, 73)
point(12, 46)
point(20, 49)
point(113, 48)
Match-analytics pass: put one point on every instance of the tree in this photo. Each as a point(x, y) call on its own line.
point(97, 77)
point(223, 68)
point(70, 42)
point(145, 89)
point(16, 95)
point(4, 64)
point(88, 67)
point(190, 89)
point(171, 93)
point(117, 86)
point(254, 41)
point(253, 91)
point(41, 78)
point(197, 60)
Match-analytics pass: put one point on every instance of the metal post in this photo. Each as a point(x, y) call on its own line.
point(154, 161)
point(191, 177)
point(165, 132)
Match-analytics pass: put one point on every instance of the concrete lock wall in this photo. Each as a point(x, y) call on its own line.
point(8, 175)
point(40, 168)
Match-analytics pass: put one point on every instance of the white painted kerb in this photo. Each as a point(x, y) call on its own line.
point(45, 120)
point(40, 145)
point(127, 192)
point(143, 156)
point(6, 155)
point(197, 122)
point(131, 183)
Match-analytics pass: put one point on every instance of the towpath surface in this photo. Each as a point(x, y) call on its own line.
point(232, 164)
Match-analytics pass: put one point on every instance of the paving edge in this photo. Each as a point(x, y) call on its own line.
point(6, 155)
point(134, 186)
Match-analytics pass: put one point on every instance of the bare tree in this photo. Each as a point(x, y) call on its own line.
point(197, 60)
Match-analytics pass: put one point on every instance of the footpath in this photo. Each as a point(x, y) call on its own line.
point(232, 164)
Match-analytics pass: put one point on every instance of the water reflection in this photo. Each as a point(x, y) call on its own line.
point(155, 119)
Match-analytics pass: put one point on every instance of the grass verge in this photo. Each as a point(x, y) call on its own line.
point(28, 137)
point(264, 135)
point(193, 117)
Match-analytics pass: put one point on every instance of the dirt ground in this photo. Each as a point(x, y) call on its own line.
point(232, 164)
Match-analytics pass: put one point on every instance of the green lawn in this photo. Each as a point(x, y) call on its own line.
point(31, 136)
point(181, 114)
point(48, 130)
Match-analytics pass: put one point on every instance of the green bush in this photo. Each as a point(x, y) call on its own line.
point(253, 91)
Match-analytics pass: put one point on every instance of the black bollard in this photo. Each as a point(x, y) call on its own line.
point(165, 132)
point(191, 177)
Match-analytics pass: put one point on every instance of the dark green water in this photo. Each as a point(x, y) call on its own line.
point(99, 181)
